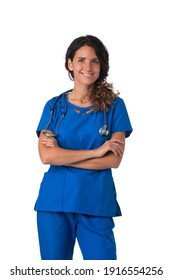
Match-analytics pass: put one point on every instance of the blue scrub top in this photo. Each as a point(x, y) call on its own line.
point(70, 189)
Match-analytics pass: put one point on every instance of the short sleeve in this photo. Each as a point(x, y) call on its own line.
point(45, 117)
point(120, 118)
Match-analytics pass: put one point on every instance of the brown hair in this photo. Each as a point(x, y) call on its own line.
point(103, 94)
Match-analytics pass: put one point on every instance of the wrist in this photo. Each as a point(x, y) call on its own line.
point(95, 153)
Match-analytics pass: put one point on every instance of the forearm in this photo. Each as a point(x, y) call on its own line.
point(106, 156)
point(107, 161)
point(59, 156)
point(51, 153)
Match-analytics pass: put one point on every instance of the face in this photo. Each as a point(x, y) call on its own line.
point(85, 66)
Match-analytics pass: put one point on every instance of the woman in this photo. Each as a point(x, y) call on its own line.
point(81, 136)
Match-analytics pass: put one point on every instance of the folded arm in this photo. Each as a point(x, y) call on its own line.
point(111, 151)
point(109, 160)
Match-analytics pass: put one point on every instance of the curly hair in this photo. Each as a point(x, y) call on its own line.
point(103, 93)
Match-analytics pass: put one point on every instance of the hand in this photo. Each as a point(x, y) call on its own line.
point(49, 142)
point(114, 145)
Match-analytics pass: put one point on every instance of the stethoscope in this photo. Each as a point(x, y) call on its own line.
point(103, 131)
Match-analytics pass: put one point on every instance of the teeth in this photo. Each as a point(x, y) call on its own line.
point(87, 75)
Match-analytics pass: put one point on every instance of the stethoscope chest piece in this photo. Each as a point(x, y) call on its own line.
point(103, 131)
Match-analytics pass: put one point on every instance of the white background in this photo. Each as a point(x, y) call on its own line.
point(138, 34)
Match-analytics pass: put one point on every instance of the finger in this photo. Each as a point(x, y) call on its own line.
point(120, 150)
point(117, 141)
point(117, 150)
point(48, 139)
point(116, 154)
point(48, 143)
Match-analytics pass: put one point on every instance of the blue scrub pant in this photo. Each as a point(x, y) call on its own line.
point(58, 231)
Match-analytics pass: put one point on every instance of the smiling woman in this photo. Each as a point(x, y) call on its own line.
point(101, 93)
point(77, 197)
point(85, 67)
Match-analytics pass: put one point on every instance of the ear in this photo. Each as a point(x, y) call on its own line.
point(70, 64)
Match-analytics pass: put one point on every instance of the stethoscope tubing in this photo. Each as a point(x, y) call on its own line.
point(103, 131)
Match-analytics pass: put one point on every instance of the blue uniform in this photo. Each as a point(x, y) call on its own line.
point(75, 190)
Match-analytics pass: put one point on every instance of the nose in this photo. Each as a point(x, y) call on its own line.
point(87, 65)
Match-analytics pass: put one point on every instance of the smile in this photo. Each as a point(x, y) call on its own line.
point(86, 75)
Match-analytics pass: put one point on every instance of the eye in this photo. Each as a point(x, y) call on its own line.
point(95, 61)
point(81, 59)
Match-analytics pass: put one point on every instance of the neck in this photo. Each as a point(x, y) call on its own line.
point(80, 98)
point(79, 95)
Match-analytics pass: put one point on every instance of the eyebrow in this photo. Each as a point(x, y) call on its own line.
point(85, 57)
